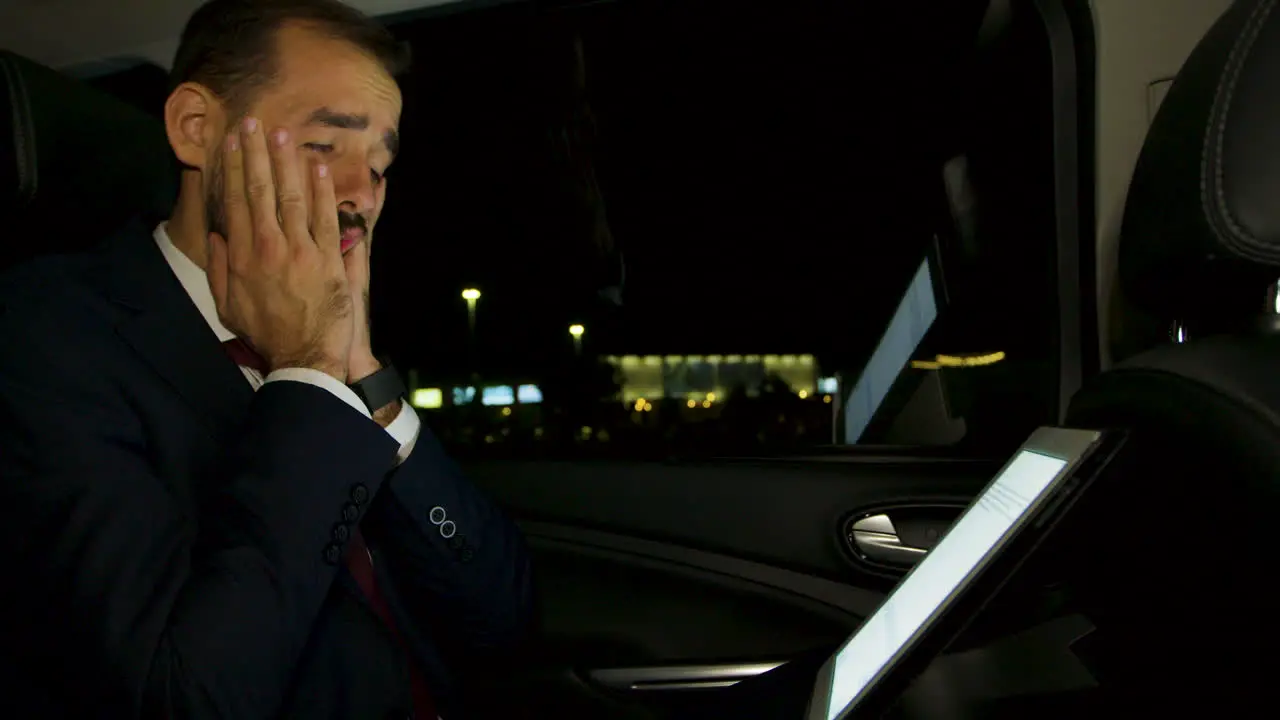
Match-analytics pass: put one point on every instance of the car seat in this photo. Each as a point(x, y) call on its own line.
point(1176, 558)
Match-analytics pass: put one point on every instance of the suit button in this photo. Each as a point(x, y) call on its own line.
point(350, 513)
point(457, 541)
point(437, 515)
point(332, 554)
point(447, 529)
point(359, 494)
point(341, 533)
point(466, 554)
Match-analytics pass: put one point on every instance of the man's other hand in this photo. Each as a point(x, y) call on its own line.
point(361, 363)
point(278, 277)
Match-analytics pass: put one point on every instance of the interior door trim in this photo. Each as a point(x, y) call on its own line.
point(850, 604)
point(680, 677)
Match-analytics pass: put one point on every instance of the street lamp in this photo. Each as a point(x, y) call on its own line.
point(471, 295)
point(576, 331)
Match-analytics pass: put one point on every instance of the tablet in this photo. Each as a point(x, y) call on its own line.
point(1007, 517)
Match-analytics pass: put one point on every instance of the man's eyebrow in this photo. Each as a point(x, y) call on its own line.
point(342, 121)
point(347, 121)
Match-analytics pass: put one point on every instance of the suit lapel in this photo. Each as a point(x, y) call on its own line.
point(172, 338)
point(168, 332)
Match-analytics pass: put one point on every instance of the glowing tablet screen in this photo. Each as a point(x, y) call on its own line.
point(915, 602)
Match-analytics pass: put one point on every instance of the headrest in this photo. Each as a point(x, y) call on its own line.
point(1201, 235)
point(75, 163)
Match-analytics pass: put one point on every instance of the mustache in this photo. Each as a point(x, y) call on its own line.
point(350, 220)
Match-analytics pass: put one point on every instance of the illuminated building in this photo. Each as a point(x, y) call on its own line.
point(707, 378)
point(702, 380)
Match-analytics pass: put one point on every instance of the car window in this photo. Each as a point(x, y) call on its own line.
point(773, 191)
point(644, 228)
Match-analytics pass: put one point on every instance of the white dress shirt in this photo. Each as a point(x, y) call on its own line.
point(404, 428)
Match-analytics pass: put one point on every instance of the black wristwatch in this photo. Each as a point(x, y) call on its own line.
point(381, 388)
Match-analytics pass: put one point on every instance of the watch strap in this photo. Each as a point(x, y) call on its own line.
point(381, 388)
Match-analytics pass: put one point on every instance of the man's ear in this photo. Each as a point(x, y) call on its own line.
point(193, 120)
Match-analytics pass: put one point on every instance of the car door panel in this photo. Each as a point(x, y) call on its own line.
point(626, 601)
point(659, 578)
point(788, 514)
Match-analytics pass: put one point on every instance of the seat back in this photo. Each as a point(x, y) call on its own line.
point(75, 163)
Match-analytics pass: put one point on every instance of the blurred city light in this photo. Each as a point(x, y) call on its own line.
point(427, 398)
point(528, 394)
point(500, 395)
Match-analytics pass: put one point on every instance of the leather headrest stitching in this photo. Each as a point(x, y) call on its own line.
point(1230, 233)
point(24, 140)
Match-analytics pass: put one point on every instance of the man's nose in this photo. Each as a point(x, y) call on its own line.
point(353, 186)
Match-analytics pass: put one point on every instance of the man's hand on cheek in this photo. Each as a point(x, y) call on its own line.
point(275, 270)
point(361, 363)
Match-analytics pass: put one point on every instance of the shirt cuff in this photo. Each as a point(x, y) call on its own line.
point(320, 379)
point(405, 430)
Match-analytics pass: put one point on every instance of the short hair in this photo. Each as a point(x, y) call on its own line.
point(229, 46)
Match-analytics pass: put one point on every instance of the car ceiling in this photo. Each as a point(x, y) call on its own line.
point(113, 34)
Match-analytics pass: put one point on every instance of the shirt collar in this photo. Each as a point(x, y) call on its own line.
point(194, 281)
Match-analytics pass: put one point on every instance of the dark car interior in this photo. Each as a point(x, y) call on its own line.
point(664, 585)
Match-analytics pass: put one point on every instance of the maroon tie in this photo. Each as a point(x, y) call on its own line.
point(359, 563)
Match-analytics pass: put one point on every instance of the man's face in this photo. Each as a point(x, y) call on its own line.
point(339, 107)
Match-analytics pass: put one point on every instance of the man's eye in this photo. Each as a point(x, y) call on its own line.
point(321, 148)
point(376, 176)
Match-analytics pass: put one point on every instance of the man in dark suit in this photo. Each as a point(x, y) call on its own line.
point(220, 506)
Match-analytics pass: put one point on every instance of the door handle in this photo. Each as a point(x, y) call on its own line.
point(876, 539)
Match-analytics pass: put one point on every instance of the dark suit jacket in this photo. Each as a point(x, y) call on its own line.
point(169, 530)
